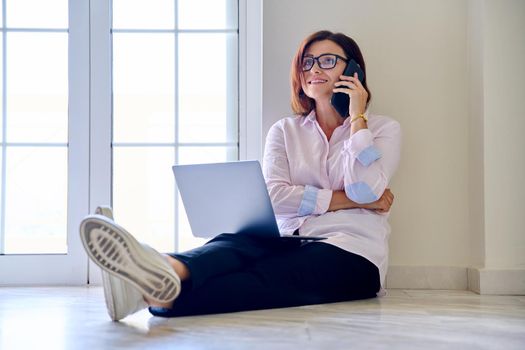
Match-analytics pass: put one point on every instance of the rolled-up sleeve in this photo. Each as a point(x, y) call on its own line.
point(289, 200)
point(370, 161)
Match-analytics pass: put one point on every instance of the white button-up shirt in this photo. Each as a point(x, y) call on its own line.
point(302, 168)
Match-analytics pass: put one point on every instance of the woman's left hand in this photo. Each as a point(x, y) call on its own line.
point(358, 95)
point(383, 204)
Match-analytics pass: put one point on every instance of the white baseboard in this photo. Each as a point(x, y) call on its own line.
point(479, 280)
point(427, 277)
point(496, 281)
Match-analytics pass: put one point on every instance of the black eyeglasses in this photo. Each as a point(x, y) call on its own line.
point(324, 61)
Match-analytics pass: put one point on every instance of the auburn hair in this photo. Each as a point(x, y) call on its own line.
point(302, 104)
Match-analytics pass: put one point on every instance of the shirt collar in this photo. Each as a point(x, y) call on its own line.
point(311, 117)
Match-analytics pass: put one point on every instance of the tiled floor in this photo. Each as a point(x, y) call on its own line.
point(75, 318)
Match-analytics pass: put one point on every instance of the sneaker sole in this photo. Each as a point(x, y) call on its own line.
point(106, 278)
point(108, 296)
point(118, 253)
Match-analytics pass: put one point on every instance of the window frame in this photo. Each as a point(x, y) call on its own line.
point(70, 268)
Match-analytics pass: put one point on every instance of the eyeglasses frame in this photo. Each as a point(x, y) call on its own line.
point(316, 59)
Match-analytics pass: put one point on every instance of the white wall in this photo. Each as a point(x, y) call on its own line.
point(476, 142)
point(504, 128)
point(496, 50)
point(416, 57)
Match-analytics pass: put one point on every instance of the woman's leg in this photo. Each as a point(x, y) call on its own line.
point(223, 254)
point(311, 274)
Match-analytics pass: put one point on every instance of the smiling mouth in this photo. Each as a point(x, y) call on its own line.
point(318, 81)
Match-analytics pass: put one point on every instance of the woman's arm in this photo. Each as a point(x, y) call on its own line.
point(289, 200)
point(369, 160)
point(341, 201)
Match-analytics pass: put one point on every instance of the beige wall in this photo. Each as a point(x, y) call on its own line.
point(476, 142)
point(504, 128)
point(416, 54)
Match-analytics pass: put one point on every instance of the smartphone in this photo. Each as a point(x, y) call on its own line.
point(340, 100)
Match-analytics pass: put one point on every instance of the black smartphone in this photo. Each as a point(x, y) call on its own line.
point(340, 100)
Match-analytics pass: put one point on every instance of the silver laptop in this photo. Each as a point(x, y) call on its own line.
point(228, 198)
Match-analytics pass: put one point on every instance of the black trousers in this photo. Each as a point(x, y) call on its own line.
point(238, 272)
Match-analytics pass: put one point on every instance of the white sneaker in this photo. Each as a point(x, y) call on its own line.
point(130, 270)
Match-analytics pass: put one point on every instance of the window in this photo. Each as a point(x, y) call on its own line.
point(34, 128)
point(97, 108)
point(175, 100)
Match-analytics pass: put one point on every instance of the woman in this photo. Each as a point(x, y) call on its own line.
point(326, 175)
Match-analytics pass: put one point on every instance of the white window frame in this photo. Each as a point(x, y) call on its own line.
point(250, 79)
point(89, 151)
point(70, 268)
